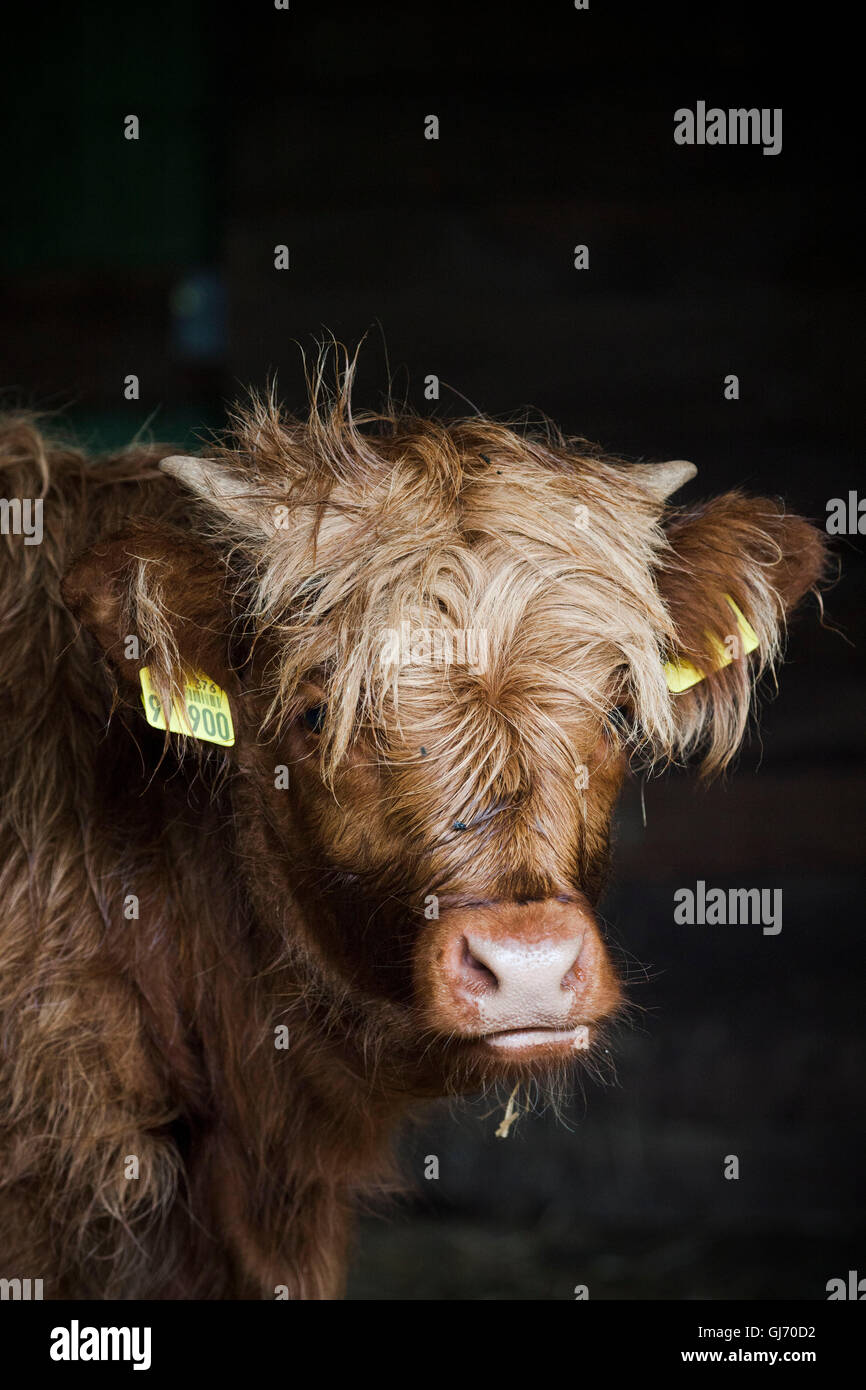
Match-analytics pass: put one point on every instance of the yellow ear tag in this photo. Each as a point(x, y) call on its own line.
point(206, 713)
point(682, 675)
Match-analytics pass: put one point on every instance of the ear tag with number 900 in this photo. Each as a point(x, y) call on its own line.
point(205, 713)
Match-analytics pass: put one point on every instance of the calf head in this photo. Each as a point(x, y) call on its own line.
point(442, 644)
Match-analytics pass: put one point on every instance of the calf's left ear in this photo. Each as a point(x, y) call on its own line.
point(732, 553)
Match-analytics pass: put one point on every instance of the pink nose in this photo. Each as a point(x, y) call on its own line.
point(505, 967)
point(517, 983)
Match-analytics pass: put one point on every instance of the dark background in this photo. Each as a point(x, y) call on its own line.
point(305, 127)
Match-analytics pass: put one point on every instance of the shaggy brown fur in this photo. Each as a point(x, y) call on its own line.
point(278, 575)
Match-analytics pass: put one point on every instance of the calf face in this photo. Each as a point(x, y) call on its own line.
point(452, 638)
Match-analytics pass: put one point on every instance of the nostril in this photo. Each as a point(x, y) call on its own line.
point(476, 972)
point(574, 976)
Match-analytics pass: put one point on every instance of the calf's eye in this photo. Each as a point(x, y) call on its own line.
point(314, 718)
point(620, 720)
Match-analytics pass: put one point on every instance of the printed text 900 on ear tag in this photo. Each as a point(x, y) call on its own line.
point(205, 714)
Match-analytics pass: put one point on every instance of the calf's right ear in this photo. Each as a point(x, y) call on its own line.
point(153, 598)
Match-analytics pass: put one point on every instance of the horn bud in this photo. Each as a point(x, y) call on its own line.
point(215, 482)
point(205, 477)
point(663, 479)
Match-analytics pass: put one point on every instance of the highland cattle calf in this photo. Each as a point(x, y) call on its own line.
point(404, 665)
